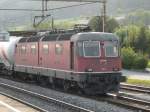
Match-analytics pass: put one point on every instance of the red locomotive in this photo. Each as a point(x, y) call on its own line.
point(88, 61)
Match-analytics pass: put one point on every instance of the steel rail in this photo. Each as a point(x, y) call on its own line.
point(135, 88)
point(49, 99)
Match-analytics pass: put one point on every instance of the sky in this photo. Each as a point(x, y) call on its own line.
point(15, 18)
point(12, 18)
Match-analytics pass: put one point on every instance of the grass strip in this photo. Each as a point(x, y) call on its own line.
point(140, 82)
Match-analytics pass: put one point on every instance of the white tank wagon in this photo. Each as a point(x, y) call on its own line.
point(7, 49)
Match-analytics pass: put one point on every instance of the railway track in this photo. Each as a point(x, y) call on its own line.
point(135, 88)
point(24, 102)
point(120, 100)
point(54, 101)
point(129, 102)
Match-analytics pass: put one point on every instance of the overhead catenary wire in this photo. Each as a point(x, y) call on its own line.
point(38, 10)
point(58, 8)
point(13, 9)
point(73, 0)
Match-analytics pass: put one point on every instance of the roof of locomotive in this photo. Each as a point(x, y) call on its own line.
point(50, 37)
point(30, 39)
point(58, 37)
point(97, 36)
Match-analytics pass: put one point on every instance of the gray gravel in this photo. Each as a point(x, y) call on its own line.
point(96, 106)
point(136, 74)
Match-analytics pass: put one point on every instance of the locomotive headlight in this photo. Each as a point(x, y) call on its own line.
point(89, 70)
point(115, 69)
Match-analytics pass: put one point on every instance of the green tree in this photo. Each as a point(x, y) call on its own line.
point(132, 33)
point(142, 41)
point(148, 41)
point(96, 23)
point(122, 33)
point(128, 35)
point(111, 25)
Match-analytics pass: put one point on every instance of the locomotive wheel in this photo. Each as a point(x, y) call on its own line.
point(52, 82)
point(80, 91)
point(66, 86)
point(43, 81)
point(14, 75)
point(53, 85)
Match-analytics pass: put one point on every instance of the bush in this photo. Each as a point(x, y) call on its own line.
point(140, 62)
point(128, 56)
point(148, 64)
point(132, 60)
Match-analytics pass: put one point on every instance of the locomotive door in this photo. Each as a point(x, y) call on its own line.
point(44, 54)
point(72, 56)
point(39, 54)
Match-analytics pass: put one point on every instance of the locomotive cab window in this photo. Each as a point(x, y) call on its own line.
point(80, 48)
point(91, 49)
point(111, 49)
point(23, 49)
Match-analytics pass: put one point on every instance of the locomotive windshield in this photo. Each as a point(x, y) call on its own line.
point(111, 49)
point(91, 49)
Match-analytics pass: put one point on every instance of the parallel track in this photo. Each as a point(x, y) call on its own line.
point(132, 103)
point(42, 97)
point(135, 88)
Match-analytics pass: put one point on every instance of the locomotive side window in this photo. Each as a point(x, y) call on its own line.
point(23, 49)
point(111, 49)
point(58, 49)
point(45, 49)
point(33, 49)
point(91, 49)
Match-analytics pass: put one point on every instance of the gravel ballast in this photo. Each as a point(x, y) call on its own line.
point(97, 106)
